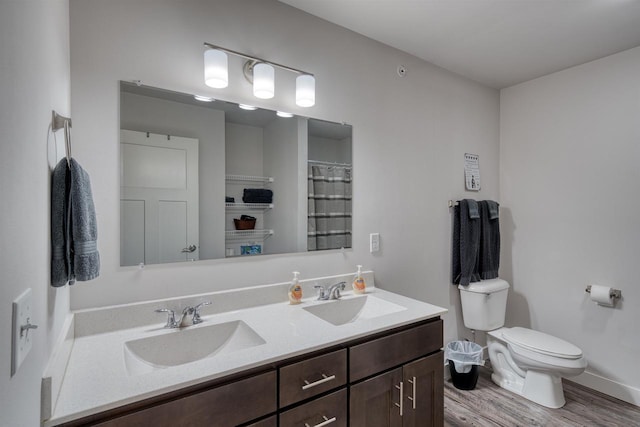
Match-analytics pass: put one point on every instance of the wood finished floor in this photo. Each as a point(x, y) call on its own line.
point(489, 405)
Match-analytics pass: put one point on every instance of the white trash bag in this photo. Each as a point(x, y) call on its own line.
point(463, 354)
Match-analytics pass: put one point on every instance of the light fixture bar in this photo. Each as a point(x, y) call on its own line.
point(255, 58)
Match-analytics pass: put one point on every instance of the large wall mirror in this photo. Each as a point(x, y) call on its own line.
point(209, 179)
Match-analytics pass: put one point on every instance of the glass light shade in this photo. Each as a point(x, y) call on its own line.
point(283, 114)
point(263, 81)
point(305, 90)
point(216, 72)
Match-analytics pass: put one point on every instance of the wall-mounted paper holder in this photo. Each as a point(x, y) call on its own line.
point(615, 293)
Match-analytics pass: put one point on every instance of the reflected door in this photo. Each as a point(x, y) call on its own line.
point(158, 198)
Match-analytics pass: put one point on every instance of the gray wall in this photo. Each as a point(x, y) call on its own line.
point(570, 144)
point(407, 151)
point(34, 65)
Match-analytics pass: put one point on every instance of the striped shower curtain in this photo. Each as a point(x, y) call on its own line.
point(329, 213)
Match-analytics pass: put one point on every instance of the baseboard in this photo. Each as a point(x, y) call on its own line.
point(595, 382)
point(57, 366)
point(609, 387)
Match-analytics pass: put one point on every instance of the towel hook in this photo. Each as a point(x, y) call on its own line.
point(60, 122)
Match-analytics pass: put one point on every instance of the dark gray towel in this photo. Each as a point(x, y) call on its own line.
point(489, 240)
point(466, 245)
point(74, 253)
point(60, 184)
point(84, 229)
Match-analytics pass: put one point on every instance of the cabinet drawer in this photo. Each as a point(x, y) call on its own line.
point(393, 350)
point(311, 377)
point(318, 412)
point(227, 405)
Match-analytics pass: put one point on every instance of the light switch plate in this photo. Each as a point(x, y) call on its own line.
point(22, 340)
point(374, 242)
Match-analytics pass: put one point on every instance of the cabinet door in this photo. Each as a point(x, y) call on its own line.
point(423, 385)
point(375, 402)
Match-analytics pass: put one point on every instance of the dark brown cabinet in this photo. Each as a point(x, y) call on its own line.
point(410, 396)
point(389, 379)
point(376, 402)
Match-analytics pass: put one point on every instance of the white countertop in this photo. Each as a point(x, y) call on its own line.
point(96, 378)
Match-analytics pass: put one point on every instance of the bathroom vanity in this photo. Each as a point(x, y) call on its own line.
point(371, 360)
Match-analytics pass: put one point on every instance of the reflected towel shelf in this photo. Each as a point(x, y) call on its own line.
point(248, 178)
point(247, 234)
point(252, 206)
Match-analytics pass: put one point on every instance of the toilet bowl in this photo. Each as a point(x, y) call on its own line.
point(532, 364)
point(527, 362)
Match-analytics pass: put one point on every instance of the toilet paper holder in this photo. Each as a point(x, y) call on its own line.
point(614, 293)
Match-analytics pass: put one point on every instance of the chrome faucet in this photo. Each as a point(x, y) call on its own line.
point(173, 322)
point(333, 292)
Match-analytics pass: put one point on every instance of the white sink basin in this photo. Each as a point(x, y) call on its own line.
point(349, 310)
point(180, 346)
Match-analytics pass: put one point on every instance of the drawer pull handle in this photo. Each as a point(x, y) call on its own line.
point(401, 404)
point(413, 398)
point(326, 422)
point(324, 379)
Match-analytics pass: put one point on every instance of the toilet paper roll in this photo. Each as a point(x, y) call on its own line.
point(601, 295)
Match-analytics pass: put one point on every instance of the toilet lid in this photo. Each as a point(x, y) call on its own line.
point(541, 343)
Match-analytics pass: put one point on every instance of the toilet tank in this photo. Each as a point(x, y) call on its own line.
point(484, 304)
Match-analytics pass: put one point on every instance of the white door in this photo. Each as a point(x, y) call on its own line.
point(158, 198)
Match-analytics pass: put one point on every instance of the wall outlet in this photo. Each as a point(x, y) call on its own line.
point(21, 334)
point(374, 242)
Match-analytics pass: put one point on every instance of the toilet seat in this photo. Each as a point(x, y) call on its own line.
point(539, 342)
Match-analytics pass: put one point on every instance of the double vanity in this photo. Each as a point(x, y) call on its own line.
point(254, 360)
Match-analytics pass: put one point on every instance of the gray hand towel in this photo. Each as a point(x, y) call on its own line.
point(84, 229)
point(489, 241)
point(472, 206)
point(493, 209)
point(465, 245)
point(60, 183)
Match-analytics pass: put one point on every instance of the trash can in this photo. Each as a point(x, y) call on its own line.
point(464, 358)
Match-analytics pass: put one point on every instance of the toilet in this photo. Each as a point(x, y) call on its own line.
point(524, 361)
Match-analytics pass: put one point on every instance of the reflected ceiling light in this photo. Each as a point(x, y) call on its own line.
point(247, 107)
point(216, 72)
point(203, 98)
point(283, 114)
point(259, 72)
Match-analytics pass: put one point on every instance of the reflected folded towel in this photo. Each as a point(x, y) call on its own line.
point(257, 195)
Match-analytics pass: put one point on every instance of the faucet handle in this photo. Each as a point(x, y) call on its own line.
point(196, 312)
point(171, 318)
point(322, 291)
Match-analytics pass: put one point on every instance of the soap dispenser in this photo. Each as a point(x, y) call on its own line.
point(295, 291)
point(359, 286)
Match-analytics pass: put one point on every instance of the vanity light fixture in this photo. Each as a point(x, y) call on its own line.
point(283, 114)
point(259, 72)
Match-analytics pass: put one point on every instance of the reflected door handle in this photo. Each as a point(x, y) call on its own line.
point(189, 249)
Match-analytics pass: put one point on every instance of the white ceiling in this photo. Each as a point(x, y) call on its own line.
point(496, 42)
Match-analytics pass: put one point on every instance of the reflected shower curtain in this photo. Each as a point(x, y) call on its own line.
point(329, 213)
